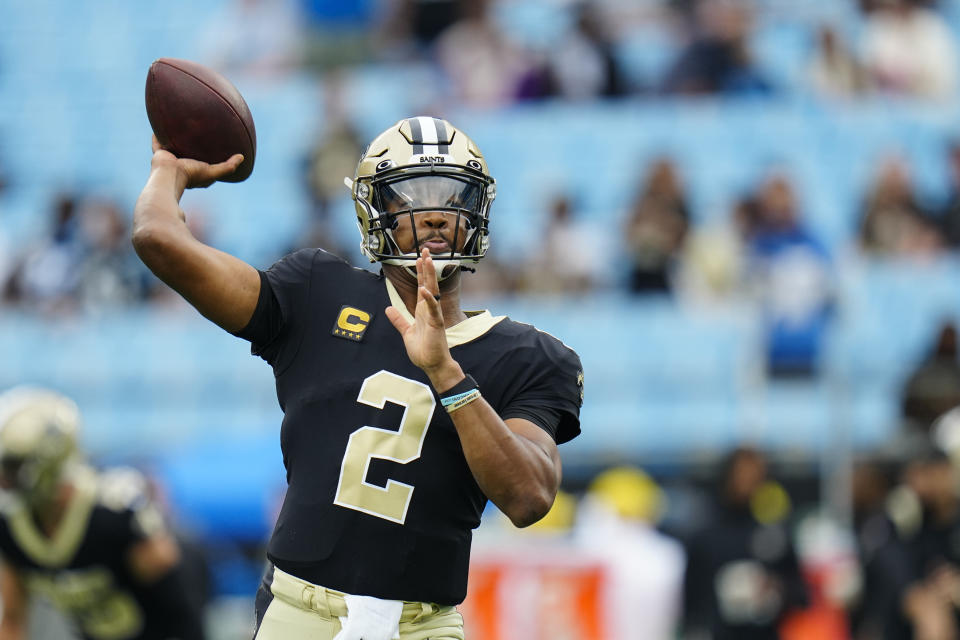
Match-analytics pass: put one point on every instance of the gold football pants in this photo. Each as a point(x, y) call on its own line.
point(298, 610)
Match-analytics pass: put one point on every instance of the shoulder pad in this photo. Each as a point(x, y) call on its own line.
point(121, 488)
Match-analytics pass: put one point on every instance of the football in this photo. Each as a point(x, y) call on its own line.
point(197, 113)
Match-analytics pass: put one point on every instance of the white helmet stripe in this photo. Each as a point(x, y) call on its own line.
point(428, 131)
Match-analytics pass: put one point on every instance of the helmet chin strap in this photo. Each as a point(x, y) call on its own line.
point(450, 266)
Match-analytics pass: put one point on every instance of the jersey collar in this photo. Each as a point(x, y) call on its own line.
point(476, 324)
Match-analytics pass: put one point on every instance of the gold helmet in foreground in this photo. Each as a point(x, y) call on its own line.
point(420, 165)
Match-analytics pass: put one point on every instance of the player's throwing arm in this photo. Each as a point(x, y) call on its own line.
point(188, 105)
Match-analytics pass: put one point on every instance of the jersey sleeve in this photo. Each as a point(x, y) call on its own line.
point(548, 388)
point(284, 293)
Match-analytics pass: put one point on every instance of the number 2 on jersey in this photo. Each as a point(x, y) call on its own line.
point(403, 446)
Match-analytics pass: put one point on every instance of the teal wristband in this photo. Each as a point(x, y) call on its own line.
point(449, 400)
point(458, 391)
point(462, 400)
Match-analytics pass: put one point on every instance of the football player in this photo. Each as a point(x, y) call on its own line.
point(403, 414)
point(90, 542)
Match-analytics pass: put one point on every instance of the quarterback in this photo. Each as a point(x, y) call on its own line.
point(403, 413)
point(91, 542)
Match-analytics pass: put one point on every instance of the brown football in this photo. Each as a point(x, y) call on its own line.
point(197, 113)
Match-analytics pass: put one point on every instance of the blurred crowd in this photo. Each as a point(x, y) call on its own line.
point(762, 254)
point(85, 264)
point(763, 251)
point(905, 47)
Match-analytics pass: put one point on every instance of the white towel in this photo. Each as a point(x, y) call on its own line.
point(370, 619)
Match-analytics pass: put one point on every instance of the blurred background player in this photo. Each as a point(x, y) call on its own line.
point(743, 575)
point(90, 542)
point(923, 568)
point(617, 522)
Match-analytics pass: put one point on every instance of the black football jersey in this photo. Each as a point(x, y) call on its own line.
point(380, 499)
point(82, 567)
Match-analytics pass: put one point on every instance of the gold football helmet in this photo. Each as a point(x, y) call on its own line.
point(38, 440)
point(420, 165)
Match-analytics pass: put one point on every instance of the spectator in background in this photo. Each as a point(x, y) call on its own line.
point(791, 269)
point(950, 214)
point(909, 50)
point(656, 229)
point(484, 68)
point(333, 156)
point(617, 521)
point(893, 223)
point(498, 277)
point(934, 387)
point(337, 33)
point(742, 572)
point(878, 554)
point(586, 66)
point(6, 248)
point(834, 70)
point(568, 258)
point(714, 259)
point(109, 273)
point(718, 58)
point(419, 22)
point(256, 37)
point(85, 265)
point(46, 276)
point(931, 582)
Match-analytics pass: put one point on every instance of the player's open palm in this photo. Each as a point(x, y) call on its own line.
point(425, 338)
point(194, 174)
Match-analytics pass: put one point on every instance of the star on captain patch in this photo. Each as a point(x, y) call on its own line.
point(351, 323)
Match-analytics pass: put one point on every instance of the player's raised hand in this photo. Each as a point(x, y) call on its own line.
point(425, 338)
point(193, 174)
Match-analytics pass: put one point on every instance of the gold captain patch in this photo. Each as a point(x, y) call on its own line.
point(351, 323)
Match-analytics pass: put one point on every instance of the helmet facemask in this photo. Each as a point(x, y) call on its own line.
point(463, 198)
point(34, 480)
point(396, 186)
